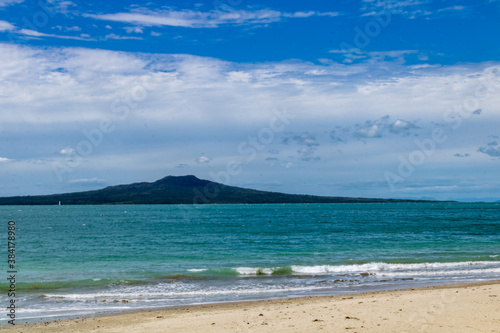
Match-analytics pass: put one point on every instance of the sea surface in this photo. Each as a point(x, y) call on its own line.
point(74, 261)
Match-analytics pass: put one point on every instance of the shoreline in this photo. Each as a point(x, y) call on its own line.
point(466, 307)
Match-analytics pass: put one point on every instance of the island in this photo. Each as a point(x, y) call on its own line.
point(181, 190)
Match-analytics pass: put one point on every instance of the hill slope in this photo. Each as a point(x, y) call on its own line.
point(178, 190)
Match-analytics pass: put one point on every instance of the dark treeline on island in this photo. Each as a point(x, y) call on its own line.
point(180, 190)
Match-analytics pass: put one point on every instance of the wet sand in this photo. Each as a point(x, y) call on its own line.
point(473, 307)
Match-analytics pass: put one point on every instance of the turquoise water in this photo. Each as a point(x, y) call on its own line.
point(84, 260)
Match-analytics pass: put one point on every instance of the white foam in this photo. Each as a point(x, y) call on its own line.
point(373, 267)
point(381, 267)
point(254, 270)
point(130, 297)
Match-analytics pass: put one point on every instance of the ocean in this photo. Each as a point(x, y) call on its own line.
point(74, 261)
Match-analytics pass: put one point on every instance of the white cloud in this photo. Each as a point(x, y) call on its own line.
point(408, 8)
point(203, 160)
point(73, 28)
point(87, 181)
point(383, 126)
point(197, 19)
point(67, 151)
point(115, 36)
point(452, 8)
point(358, 55)
point(180, 105)
point(5, 3)
point(4, 159)
point(137, 30)
point(310, 13)
point(37, 34)
point(6, 26)
point(300, 14)
point(236, 76)
point(68, 81)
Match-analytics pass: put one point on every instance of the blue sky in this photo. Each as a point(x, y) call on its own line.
point(369, 98)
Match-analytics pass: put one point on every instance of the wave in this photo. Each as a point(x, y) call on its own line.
point(373, 268)
point(486, 269)
point(382, 267)
point(129, 297)
point(56, 285)
point(319, 277)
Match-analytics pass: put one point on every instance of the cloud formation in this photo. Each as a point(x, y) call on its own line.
point(409, 8)
point(203, 160)
point(374, 129)
point(37, 34)
point(382, 126)
point(87, 181)
point(307, 144)
point(491, 149)
point(196, 19)
point(357, 55)
point(165, 109)
point(6, 26)
point(5, 3)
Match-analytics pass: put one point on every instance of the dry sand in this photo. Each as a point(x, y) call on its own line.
point(453, 308)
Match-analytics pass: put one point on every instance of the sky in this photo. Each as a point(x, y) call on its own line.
point(366, 98)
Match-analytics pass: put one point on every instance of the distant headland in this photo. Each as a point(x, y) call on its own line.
point(181, 190)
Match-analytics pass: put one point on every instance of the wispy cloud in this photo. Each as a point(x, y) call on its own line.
point(382, 126)
point(87, 181)
point(408, 8)
point(378, 128)
point(115, 36)
point(67, 151)
point(73, 28)
point(197, 19)
point(33, 34)
point(203, 160)
point(307, 145)
point(5, 3)
point(198, 104)
point(451, 8)
point(356, 55)
point(491, 149)
point(137, 30)
point(6, 26)
point(37, 34)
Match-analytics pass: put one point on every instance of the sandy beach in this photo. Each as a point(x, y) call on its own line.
point(471, 307)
